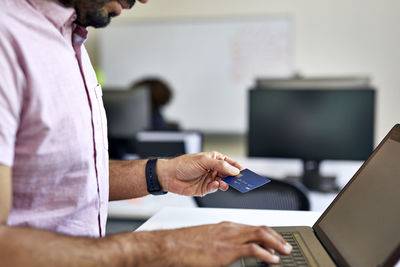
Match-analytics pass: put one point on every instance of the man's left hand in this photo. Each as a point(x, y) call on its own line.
point(196, 174)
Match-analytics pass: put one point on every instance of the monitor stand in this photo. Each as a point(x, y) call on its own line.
point(314, 181)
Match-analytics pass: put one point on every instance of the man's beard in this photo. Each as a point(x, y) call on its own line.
point(97, 18)
point(92, 12)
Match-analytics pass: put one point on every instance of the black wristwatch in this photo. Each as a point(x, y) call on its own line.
point(153, 185)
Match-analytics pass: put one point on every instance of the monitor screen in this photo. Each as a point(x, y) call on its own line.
point(361, 227)
point(311, 124)
point(128, 111)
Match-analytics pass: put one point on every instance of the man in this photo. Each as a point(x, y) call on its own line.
point(55, 177)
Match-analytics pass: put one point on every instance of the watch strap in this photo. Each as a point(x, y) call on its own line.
point(153, 185)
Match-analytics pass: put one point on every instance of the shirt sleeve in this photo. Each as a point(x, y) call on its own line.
point(11, 87)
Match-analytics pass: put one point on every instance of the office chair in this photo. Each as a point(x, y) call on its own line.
point(276, 194)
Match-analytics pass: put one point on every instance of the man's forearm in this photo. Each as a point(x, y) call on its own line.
point(32, 247)
point(128, 178)
point(204, 245)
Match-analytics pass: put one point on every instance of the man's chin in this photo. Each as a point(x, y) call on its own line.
point(96, 21)
point(101, 24)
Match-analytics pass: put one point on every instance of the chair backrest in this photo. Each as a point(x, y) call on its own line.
point(277, 194)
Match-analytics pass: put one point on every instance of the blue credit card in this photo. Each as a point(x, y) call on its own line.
point(246, 181)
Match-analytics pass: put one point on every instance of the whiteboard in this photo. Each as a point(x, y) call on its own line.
point(210, 64)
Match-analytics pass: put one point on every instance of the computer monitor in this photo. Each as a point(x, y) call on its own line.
point(128, 111)
point(168, 144)
point(312, 125)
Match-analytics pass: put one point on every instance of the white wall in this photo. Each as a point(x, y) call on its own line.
point(331, 37)
point(209, 64)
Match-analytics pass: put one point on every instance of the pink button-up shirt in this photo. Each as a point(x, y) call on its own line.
point(52, 122)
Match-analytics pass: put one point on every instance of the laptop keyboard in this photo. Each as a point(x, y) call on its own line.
point(295, 259)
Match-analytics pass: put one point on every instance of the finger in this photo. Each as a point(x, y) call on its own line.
point(221, 156)
point(224, 168)
point(276, 235)
point(234, 163)
point(214, 174)
point(268, 238)
point(272, 251)
point(222, 185)
point(228, 170)
point(269, 231)
point(287, 248)
point(210, 184)
point(212, 187)
point(254, 250)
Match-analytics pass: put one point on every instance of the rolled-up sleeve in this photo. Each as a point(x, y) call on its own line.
point(12, 82)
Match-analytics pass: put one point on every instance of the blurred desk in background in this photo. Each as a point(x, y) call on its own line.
point(145, 207)
point(281, 168)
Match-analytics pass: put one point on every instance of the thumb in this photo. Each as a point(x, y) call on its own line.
point(222, 167)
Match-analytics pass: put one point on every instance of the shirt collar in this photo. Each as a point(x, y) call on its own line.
point(80, 31)
point(55, 12)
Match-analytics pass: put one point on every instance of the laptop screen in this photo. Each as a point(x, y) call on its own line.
point(362, 225)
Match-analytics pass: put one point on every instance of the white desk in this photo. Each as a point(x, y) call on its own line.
point(144, 208)
point(172, 217)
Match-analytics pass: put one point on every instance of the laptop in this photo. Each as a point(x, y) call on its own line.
point(361, 227)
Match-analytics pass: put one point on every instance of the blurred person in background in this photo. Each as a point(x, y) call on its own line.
point(161, 94)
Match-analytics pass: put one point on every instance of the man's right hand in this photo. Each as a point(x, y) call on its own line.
point(208, 245)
